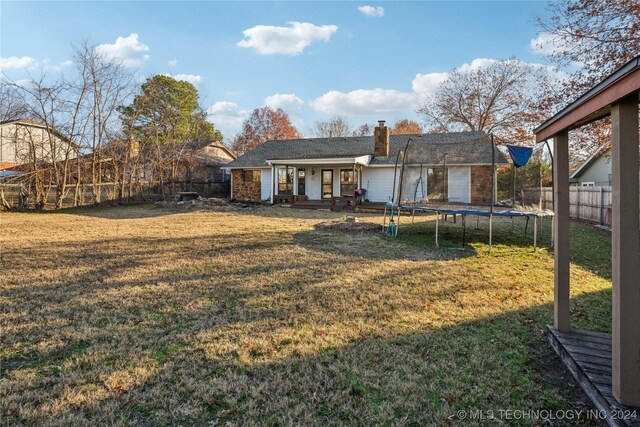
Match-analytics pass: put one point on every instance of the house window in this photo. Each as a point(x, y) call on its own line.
point(251, 176)
point(587, 184)
point(327, 183)
point(301, 179)
point(285, 180)
point(435, 184)
point(347, 182)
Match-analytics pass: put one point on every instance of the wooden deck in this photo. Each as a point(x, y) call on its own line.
point(587, 355)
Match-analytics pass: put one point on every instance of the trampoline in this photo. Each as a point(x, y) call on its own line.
point(393, 210)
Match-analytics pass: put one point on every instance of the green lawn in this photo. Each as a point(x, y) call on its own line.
point(150, 316)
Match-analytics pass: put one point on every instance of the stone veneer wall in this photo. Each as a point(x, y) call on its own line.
point(481, 185)
point(242, 190)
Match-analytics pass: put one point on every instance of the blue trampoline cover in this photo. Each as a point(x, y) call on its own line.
point(519, 155)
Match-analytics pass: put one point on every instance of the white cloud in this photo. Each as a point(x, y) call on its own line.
point(426, 84)
point(59, 66)
point(227, 117)
point(476, 64)
point(291, 40)
point(194, 79)
point(23, 82)
point(14, 62)
point(287, 101)
point(128, 51)
point(376, 12)
point(546, 44)
point(173, 62)
point(365, 101)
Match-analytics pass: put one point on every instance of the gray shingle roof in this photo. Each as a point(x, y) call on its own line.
point(429, 148)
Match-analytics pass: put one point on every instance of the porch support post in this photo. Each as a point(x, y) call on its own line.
point(561, 317)
point(273, 185)
point(625, 248)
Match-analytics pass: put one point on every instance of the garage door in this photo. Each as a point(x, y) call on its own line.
point(459, 185)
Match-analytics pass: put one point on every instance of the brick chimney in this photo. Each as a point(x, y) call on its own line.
point(381, 140)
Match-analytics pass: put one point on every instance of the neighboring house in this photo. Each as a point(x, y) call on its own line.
point(208, 160)
point(23, 141)
point(595, 171)
point(323, 168)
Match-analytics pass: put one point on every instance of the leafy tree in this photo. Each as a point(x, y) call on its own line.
point(262, 125)
point(164, 117)
point(497, 98)
point(335, 127)
point(406, 126)
point(167, 111)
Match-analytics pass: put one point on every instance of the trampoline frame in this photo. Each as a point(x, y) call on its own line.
point(395, 211)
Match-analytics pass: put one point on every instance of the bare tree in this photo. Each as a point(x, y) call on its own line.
point(593, 36)
point(590, 39)
point(12, 106)
point(499, 98)
point(336, 127)
point(57, 108)
point(108, 86)
point(363, 130)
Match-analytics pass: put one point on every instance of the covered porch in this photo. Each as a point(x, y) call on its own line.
point(315, 180)
point(607, 366)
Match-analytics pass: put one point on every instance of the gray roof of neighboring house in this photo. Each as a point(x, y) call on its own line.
point(428, 148)
point(587, 163)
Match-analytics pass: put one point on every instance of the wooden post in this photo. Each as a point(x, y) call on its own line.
point(625, 243)
point(561, 231)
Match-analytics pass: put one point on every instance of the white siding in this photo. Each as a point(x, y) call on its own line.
point(265, 184)
point(459, 185)
point(379, 183)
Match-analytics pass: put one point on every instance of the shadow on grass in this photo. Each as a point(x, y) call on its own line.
point(409, 375)
point(279, 327)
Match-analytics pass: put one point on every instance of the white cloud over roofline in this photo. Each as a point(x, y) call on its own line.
point(289, 102)
point(365, 101)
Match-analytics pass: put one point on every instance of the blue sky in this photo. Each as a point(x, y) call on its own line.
point(315, 59)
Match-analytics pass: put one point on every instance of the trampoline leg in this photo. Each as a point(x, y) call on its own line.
point(464, 229)
point(398, 224)
point(384, 220)
point(437, 221)
point(490, 231)
point(413, 215)
point(535, 232)
point(551, 238)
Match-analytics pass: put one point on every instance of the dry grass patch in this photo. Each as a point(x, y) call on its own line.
point(151, 316)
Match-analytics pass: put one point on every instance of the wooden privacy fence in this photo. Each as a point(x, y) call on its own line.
point(18, 196)
point(586, 203)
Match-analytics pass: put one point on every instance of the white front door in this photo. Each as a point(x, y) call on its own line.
point(459, 184)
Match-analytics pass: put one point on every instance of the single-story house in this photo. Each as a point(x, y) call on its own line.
point(452, 167)
point(22, 140)
point(596, 170)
